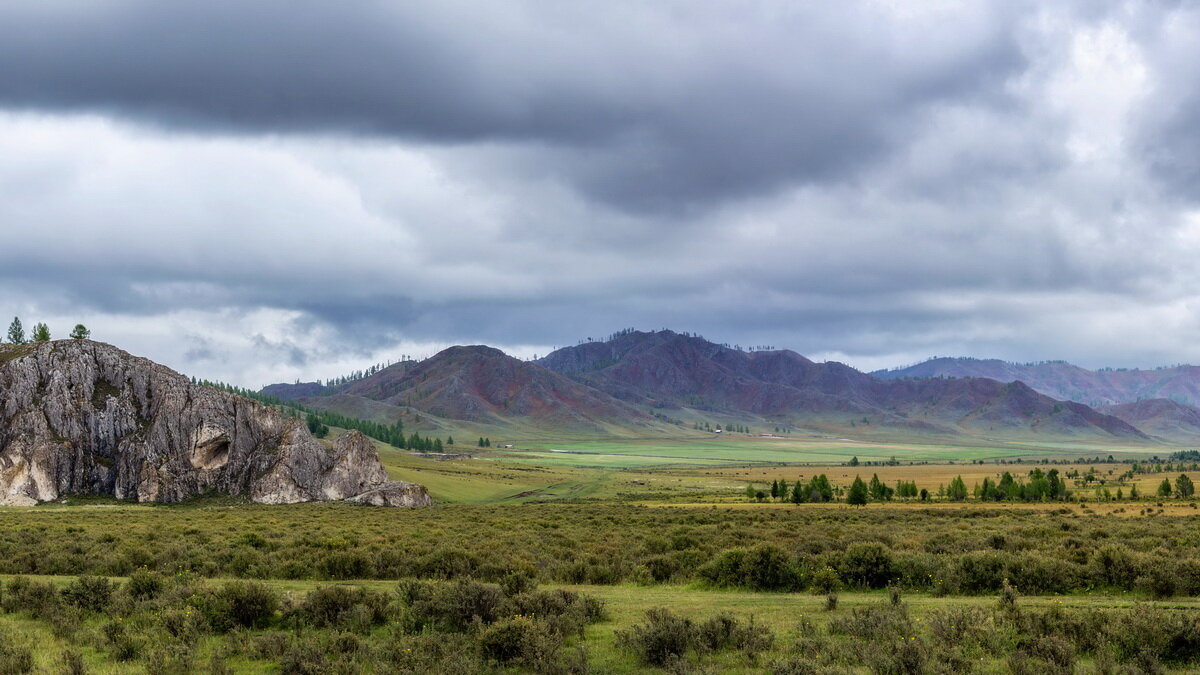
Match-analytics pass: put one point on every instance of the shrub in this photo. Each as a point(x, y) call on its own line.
point(90, 594)
point(898, 657)
point(663, 637)
point(1042, 574)
point(866, 564)
point(565, 611)
point(144, 584)
point(239, 603)
point(347, 565)
point(661, 568)
point(15, 658)
point(799, 665)
point(1171, 637)
point(824, 579)
point(344, 607)
point(452, 606)
point(71, 663)
point(520, 640)
point(982, 571)
point(1159, 582)
point(961, 626)
point(442, 653)
point(118, 640)
point(1114, 566)
point(40, 598)
point(447, 563)
point(517, 582)
point(723, 632)
point(763, 568)
point(877, 622)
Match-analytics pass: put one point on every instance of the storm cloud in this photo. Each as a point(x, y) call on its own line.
point(269, 190)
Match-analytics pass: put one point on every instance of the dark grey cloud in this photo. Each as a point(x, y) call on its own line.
point(642, 106)
point(272, 190)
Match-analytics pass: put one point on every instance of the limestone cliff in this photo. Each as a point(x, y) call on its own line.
point(83, 417)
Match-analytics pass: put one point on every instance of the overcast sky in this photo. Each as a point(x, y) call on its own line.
point(280, 189)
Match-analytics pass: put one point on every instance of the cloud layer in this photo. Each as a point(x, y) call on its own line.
point(259, 191)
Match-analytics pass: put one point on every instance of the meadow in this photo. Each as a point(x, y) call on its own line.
point(555, 566)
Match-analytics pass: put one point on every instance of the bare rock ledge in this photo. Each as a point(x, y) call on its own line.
point(83, 417)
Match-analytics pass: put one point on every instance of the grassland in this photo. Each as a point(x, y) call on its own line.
point(636, 525)
point(787, 616)
point(751, 450)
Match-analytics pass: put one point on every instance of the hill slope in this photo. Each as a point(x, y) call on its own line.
point(670, 370)
point(479, 386)
point(1160, 417)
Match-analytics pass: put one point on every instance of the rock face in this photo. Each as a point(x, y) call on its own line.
point(83, 417)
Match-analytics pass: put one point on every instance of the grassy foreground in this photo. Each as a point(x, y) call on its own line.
point(636, 557)
point(780, 632)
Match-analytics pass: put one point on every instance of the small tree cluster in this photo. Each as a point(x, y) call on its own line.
point(40, 333)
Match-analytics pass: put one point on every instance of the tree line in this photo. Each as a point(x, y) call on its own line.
point(319, 421)
point(1037, 486)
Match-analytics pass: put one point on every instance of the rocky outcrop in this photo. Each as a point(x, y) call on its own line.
point(83, 417)
point(394, 494)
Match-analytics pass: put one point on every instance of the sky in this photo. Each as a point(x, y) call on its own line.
point(292, 189)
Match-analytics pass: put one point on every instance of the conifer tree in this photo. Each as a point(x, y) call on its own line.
point(1184, 486)
point(16, 332)
point(957, 490)
point(857, 495)
point(80, 332)
point(41, 332)
point(1164, 488)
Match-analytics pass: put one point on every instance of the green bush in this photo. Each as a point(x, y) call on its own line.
point(144, 584)
point(881, 623)
point(763, 568)
point(91, 594)
point(867, 565)
point(39, 598)
point(343, 607)
point(15, 657)
point(663, 638)
point(565, 611)
point(521, 641)
point(239, 603)
point(724, 632)
point(452, 606)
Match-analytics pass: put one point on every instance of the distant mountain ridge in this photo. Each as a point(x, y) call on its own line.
point(475, 384)
point(1064, 381)
point(670, 370)
point(637, 382)
point(1160, 417)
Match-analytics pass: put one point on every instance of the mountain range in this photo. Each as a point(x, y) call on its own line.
point(645, 383)
point(1159, 401)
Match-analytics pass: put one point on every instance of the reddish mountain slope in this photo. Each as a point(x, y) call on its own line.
point(483, 385)
point(668, 369)
point(1160, 417)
